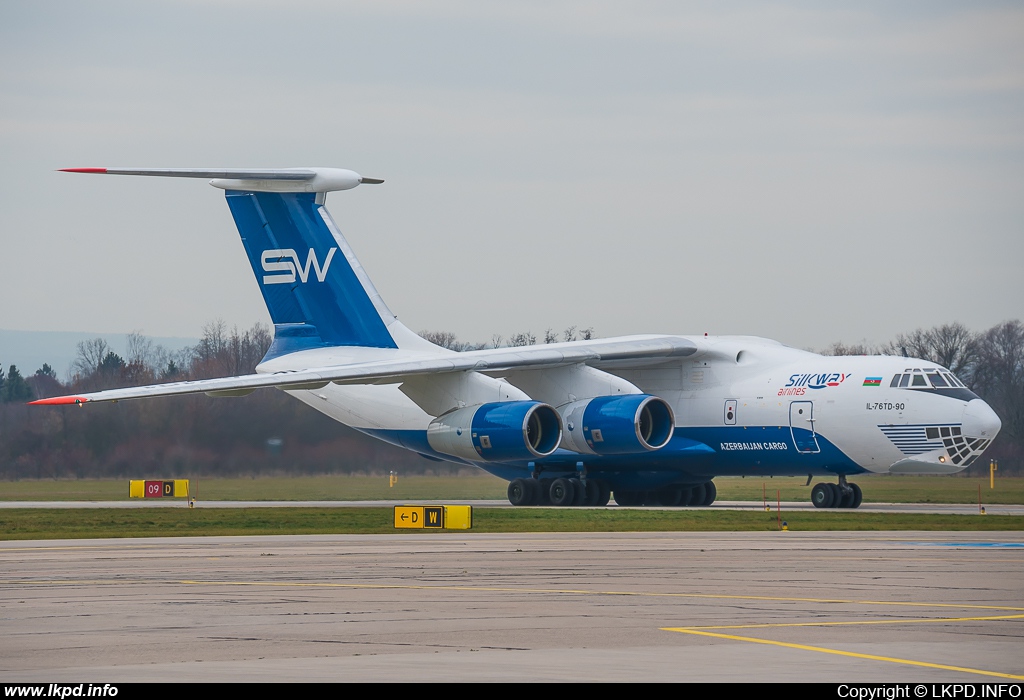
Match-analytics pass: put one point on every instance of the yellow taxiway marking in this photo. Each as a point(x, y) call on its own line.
point(503, 589)
point(839, 652)
point(904, 621)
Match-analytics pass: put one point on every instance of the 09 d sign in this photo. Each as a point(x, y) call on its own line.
point(153, 488)
point(159, 489)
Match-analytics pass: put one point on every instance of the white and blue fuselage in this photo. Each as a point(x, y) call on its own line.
point(743, 406)
point(651, 418)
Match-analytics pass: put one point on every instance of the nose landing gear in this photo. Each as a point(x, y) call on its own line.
point(841, 495)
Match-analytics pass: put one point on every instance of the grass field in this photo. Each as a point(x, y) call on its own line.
point(877, 489)
point(25, 523)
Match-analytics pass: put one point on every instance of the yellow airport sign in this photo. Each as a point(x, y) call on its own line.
point(409, 517)
point(151, 488)
point(458, 517)
point(433, 517)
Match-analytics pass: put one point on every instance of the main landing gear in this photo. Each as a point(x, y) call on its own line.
point(841, 495)
point(670, 496)
point(596, 492)
point(558, 492)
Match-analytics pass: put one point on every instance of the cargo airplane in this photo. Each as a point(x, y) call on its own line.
point(650, 419)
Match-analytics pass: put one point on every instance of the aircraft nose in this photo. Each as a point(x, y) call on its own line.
point(980, 421)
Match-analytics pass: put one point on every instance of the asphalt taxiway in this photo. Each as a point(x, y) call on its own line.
point(757, 607)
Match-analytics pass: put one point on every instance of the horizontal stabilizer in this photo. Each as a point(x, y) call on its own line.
point(253, 179)
point(235, 173)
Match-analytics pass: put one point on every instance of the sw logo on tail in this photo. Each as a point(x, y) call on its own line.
point(285, 262)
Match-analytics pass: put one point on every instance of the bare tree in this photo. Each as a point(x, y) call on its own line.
point(444, 339)
point(91, 354)
point(447, 339)
point(841, 348)
point(952, 345)
point(220, 353)
point(519, 340)
point(999, 375)
point(139, 349)
point(955, 347)
point(213, 342)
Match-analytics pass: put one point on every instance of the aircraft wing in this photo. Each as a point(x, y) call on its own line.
point(594, 352)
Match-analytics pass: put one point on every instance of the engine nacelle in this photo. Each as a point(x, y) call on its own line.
point(616, 425)
point(497, 432)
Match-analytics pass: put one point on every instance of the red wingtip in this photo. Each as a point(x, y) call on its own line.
point(82, 170)
point(59, 401)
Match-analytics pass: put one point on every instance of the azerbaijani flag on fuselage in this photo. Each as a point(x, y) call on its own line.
point(872, 381)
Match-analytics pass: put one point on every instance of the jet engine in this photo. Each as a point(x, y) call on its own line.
point(616, 425)
point(497, 432)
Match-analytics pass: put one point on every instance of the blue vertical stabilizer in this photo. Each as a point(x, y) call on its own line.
point(314, 288)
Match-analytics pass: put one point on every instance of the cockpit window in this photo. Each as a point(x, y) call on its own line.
point(939, 380)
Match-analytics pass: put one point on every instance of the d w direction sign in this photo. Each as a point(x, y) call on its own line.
point(433, 517)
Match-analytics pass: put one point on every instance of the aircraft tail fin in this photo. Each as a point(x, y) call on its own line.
point(315, 289)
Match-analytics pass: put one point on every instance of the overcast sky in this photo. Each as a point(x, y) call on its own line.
point(807, 172)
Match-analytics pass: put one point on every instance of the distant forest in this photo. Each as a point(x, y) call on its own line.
point(268, 432)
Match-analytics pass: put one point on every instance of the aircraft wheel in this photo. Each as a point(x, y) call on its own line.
point(670, 496)
point(858, 496)
point(580, 489)
point(605, 495)
point(593, 493)
point(837, 496)
point(821, 496)
point(846, 498)
point(519, 492)
point(711, 493)
point(544, 492)
point(562, 492)
point(697, 495)
point(534, 492)
point(687, 496)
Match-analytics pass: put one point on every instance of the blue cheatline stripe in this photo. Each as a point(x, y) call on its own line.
point(693, 454)
point(314, 297)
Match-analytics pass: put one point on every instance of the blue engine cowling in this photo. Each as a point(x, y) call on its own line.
point(497, 432)
point(617, 425)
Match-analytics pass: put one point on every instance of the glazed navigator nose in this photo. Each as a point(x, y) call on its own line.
point(980, 421)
